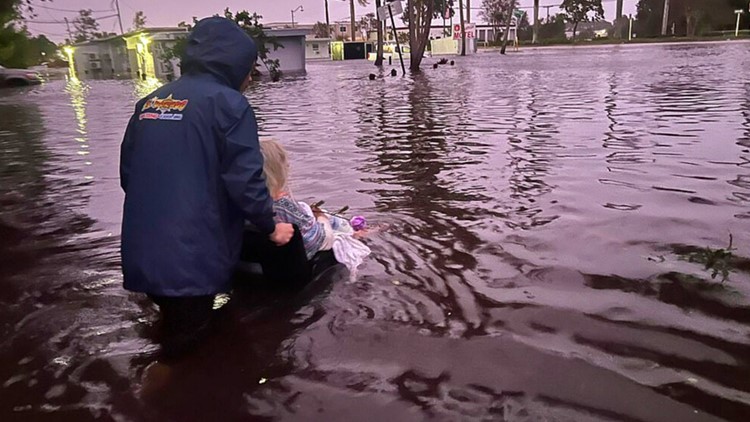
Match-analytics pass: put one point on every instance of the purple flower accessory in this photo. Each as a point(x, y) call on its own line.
point(358, 223)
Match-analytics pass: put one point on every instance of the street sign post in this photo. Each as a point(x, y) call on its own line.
point(393, 8)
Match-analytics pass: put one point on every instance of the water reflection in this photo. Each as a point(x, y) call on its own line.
point(78, 91)
point(22, 160)
point(146, 86)
point(511, 284)
point(534, 142)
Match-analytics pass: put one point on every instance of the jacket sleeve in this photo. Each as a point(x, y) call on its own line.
point(126, 152)
point(242, 172)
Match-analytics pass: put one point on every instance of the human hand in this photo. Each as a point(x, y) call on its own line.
point(283, 234)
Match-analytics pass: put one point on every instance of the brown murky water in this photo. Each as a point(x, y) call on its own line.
point(543, 209)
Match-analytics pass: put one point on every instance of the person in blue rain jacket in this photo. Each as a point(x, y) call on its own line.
point(191, 169)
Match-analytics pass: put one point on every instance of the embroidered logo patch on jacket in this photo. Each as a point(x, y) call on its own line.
point(163, 108)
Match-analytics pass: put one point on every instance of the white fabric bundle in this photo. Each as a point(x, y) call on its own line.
point(349, 251)
point(340, 238)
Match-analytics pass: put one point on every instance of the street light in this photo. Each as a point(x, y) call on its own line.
point(298, 8)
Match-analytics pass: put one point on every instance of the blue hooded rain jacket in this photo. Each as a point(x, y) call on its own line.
point(191, 169)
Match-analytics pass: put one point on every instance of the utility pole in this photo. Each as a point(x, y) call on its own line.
point(665, 19)
point(535, 38)
point(468, 11)
point(119, 18)
point(354, 30)
point(70, 35)
point(328, 22)
point(463, 27)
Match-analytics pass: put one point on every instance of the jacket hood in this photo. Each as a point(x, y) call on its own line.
point(220, 47)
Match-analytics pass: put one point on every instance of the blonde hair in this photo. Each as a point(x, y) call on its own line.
point(275, 165)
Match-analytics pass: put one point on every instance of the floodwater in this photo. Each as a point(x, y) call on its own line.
point(549, 216)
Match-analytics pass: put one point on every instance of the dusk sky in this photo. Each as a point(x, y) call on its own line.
point(170, 12)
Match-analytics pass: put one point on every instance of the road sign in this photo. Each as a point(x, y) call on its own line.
point(470, 28)
point(397, 8)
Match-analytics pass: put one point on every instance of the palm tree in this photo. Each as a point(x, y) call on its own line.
point(379, 50)
point(351, 10)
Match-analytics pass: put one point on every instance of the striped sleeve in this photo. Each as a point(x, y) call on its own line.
point(313, 235)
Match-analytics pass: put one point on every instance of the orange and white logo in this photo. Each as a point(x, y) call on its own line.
point(163, 109)
point(164, 105)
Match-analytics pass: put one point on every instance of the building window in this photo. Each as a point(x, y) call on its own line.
point(342, 29)
point(315, 47)
point(92, 56)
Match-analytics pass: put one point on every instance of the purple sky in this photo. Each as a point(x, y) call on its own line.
point(170, 12)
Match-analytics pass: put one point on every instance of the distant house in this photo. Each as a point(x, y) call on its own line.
point(105, 58)
point(143, 54)
point(135, 55)
point(342, 30)
point(588, 30)
point(317, 48)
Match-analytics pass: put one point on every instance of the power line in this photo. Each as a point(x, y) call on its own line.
point(45, 22)
point(55, 22)
point(68, 10)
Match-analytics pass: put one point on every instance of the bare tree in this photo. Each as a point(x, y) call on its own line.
point(86, 26)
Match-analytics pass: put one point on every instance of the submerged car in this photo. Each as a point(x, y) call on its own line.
point(18, 77)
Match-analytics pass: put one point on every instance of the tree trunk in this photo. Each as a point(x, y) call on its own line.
point(413, 64)
point(508, 20)
point(619, 21)
point(575, 29)
point(463, 28)
point(468, 11)
point(535, 37)
point(379, 50)
point(354, 29)
point(419, 36)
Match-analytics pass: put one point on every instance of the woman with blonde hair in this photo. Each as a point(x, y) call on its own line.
point(286, 208)
point(320, 232)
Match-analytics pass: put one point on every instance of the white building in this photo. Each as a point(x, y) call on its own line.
point(138, 54)
point(317, 48)
point(292, 56)
point(105, 58)
point(143, 54)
